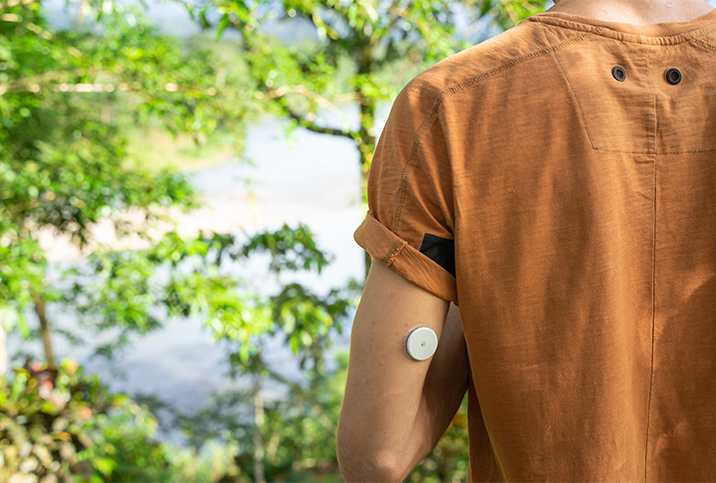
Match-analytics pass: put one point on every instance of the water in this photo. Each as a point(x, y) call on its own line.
point(316, 181)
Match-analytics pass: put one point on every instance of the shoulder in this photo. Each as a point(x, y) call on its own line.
point(526, 41)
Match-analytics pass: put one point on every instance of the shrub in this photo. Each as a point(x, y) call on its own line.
point(63, 426)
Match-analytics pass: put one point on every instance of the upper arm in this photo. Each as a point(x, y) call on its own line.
point(394, 408)
point(384, 390)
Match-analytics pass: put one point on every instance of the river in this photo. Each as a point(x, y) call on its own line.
point(314, 180)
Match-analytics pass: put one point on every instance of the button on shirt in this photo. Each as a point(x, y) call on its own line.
point(572, 216)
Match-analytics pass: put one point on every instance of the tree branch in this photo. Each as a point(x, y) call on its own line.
point(299, 89)
point(311, 126)
point(278, 94)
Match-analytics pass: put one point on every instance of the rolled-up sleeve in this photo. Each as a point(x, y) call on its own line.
point(410, 220)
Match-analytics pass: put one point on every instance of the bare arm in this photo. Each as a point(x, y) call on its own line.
point(396, 409)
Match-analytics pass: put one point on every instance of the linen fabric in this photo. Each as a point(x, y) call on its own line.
point(573, 217)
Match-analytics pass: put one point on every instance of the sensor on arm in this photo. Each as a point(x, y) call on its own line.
point(422, 343)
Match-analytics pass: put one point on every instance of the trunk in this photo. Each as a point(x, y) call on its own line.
point(367, 141)
point(3, 348)
point(259, 476)
point(44, 329)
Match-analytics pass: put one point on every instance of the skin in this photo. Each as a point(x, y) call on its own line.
point(396, 409)
point(640, 12)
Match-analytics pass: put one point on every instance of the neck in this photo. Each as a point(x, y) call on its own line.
point(641, 12)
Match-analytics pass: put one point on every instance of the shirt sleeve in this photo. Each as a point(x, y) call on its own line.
point(409, 225)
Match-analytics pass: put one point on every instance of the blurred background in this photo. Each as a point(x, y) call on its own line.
point(179, 185)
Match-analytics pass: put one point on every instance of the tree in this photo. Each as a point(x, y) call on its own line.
point(364, 52)
point(66, 165)
point(65, 161)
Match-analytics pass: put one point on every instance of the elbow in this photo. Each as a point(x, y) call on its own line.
point(358, 466)
point(360, 461)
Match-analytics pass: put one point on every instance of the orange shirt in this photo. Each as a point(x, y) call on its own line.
point(570, 208)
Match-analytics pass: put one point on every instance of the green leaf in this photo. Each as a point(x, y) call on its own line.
point(104, 465)
point(224, 22)
point(371, 11)
point(18, 386)
point(24, 329)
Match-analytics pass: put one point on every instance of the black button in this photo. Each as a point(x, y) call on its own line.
point(673, 76)
point(619, 73)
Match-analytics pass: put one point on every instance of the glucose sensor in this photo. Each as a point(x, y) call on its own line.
point(422, 343)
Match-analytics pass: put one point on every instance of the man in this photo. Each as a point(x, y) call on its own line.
point(559, 183)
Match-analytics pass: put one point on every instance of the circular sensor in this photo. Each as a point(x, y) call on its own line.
point(422, 343)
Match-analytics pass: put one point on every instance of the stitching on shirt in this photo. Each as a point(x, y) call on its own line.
point(394, 252)
point(513, 62)
point(666, 153)
point(411, 161)
point(653, 297)
point(652, 135)
point(653, 335)
point(703, 44)
point(633, 38)
point(653, 95)
point(402, 192)
point(574, 98)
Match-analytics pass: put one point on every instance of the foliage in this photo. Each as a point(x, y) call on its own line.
point(61, 425)
point(298, 434)
point(52, 419)
point(67, 99)
point(192, 277)
point(23, 267)
point(44, 421)
point(66, 165)
point(507, 13)
point(187, 277)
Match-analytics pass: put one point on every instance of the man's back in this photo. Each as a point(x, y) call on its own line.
point(562, 177)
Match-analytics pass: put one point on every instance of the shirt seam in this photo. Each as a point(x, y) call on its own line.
point(659, 153)
point(412, 159)
point(704, 44)
point(389, 259)
point(653, 335)
point(652, 90)
point(634, 38)
point(402, 193)
point(507, 65)
point(573, 95)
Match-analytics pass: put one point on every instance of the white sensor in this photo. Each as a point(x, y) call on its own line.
point(422, 343)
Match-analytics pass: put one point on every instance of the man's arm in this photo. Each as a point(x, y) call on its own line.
point(395, 408)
